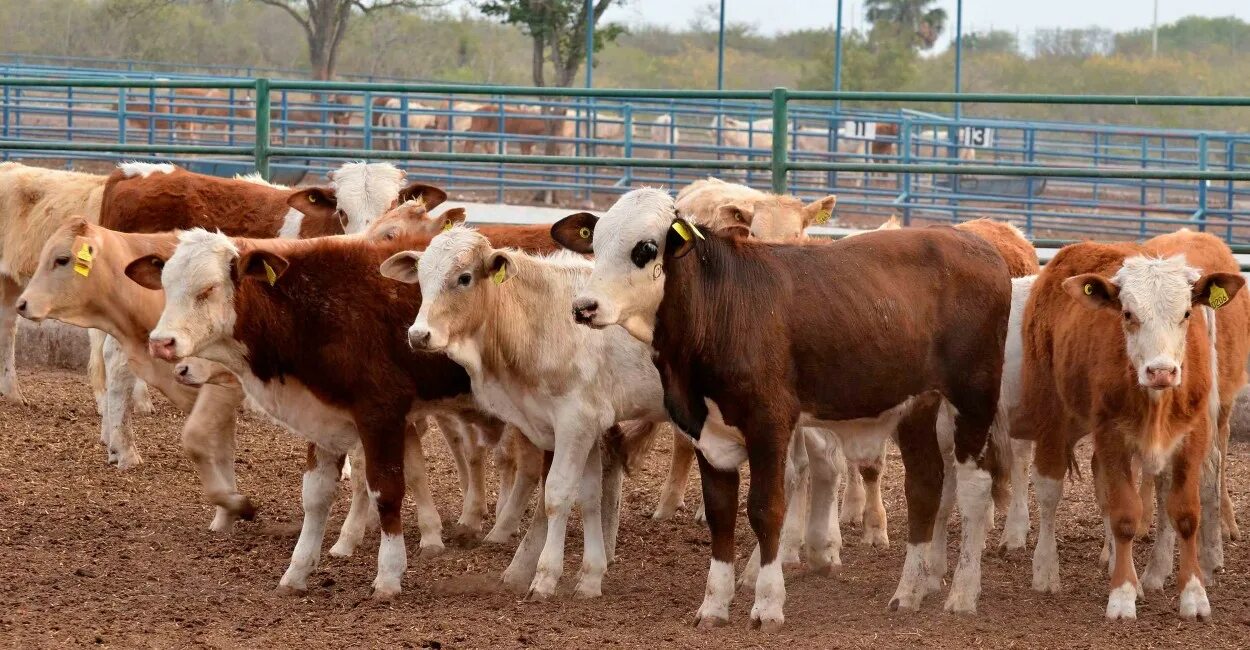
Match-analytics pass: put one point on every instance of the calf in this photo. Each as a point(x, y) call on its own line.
point(696, 298)
point(337, 376)
point(1109, 349)
point(716, 204)
point(501, 314)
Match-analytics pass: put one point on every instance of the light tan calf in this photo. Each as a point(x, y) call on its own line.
point(718, 205)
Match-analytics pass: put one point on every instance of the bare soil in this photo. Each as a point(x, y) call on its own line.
point(91, 555)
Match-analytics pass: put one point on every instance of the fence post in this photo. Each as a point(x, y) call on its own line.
point(905, 145)
point(261, 154)
point(69, 114)
point(368, 126)
point(627, 147)
point(780, 135)
point(1202, 183)
point(121, 115)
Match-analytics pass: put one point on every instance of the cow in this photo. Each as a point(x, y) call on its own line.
point(502, 315)
point(389, 122)
point(1124, 341)
point(185, 108)
point(934, 141)
point(524, 125)
point(336, 376)
point(649, 138)
point(737, 327)
point(716, 204)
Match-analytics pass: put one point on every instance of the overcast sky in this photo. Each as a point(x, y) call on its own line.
point(770, 16)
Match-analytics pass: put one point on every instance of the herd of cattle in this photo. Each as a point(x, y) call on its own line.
point(356, 317)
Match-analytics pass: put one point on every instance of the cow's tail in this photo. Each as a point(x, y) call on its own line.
point(998, 457)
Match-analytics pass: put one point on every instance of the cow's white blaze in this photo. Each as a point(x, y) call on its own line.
point(449, 257)
point(624, 293)
point(1156, 298)
point(199, 296)
point(365, 191)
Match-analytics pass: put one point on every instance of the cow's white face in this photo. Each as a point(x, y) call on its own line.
point(199, 298)
point(456, 271)
point(1155, 299)
point(628, 242)
point(365, 191)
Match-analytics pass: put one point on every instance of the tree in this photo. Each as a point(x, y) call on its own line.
point(997, 41)
point(557, 30)
point(325, 23)
point(916, 17)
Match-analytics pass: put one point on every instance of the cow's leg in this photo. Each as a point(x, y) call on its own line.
point(320, 482)
point(208, 440)
point(720, 499)
point(1210, 540)
point(9, 388)
point(97, 374)
point(1159, 568)
point(521, 569)
point(461, 441)
point(1185, 511)
point(875, 531)
point(823, 535)
point(853, 498)
point(1050, 463)
point(794, 521)
point(590, 501)
point(766, 509)
point(361, 515)
point(1145, 494)
point(573, 444)
point(613, 473)
point(529, 470)
point(1016, 527)
point(938, 550)
point(428, 520)
point(116, 421)
point(922, 483)
point(1107, 556)
point(142, 398)
point(974, 417)
point(1124, 510)
point(1228, 516)
point(385, 460)
point(505, 471)
point(673, 496)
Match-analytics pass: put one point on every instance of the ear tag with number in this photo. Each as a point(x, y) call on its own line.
point(499, 276)
point(1218, 297)
point(447, 225)
point(83, 260)
point(822, 216)
point(270, 274)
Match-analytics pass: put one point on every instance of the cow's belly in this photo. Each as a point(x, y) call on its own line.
point(295, 407)
point(528, 412)
point(862, 437)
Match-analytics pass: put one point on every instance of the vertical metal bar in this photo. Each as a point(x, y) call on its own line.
point(590, 43)
point(627, 115)
point(1229, 153)
point(69, 113)
point(1202, 183)
point(905, 145)
point(261, 155)
point(780, 132)
point(230, 124)
point(151, 116)
point(501, 147)
point(837, 58)
point(5, 109)
point(368, 125)
point(1097, 159)
point(959, 54)
point(720, 51)
point(1143, 195)
point(404, 108)
point(1030, 154)
point(121, 115)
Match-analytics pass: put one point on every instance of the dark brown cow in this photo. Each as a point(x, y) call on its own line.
point(516, 122)
point(741, 327)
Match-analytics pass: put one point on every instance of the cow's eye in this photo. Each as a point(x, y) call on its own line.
point(644, 252)
point(391, 234)
point(203, 295)
point(1128, 316)
point(464, 279)
point(61, 261)
point(1186, 314)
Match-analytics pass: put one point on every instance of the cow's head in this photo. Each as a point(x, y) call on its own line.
point(67, 275)
point(458, 271)
point(412, 217)
point(1154, 298)
point(200, 279)
point(782, 218)
point(365, 191)
point(631, 244)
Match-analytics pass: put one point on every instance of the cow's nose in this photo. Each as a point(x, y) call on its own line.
point(1162, 375)
point(183, 369)
point(162, 348)
point(419, 339)
point(584, 310)
point(21, 307)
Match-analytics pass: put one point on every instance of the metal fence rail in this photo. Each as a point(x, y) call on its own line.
point(1051, 178)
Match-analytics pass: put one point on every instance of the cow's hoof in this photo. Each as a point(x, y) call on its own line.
point(291, 591)
point(709, 622)
point(767, 624)
point(432, 551)
point(463, 536)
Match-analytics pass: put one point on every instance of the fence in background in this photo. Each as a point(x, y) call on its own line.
point(1052, 179)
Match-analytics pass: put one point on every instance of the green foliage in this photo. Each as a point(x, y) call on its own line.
point(919, 20)
point(996, 40)
point(557, 26)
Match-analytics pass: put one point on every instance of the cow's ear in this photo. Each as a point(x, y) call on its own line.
point(320, 202)
point(452, 218)
point(680, 238)
point(146, 271)
point(576, 232)
point(735, 213)
point(1214, 290)
point(499, 267)
point(1093, 291)
point(262, 265)
point(401, 266)
point(819, 212)
point(431, 196)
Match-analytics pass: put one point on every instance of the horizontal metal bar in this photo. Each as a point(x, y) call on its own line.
point(126, 83)
point(27, 145)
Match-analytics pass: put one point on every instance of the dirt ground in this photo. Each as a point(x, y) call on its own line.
point(91, 555)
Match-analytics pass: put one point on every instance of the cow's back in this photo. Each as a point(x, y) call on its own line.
point(1016, 251)
point(159, 202)
point(34, 202)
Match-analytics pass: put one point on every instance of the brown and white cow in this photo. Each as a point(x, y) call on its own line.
point(527, 126)
point(738, 327)
point(718, 205)
point(1118, 341)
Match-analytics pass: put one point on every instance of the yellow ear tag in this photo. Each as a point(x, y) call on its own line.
point(822, 216)
point(312, 198)
point(270, 275)
point(84, 260)
point(1089, 289)
point(419, 202)
point(499, 276)
point(584, 233)
point(685, 229)
point(1218, 297)
point(447, 226)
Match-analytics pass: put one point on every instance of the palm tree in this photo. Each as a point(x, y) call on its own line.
point(918, 17)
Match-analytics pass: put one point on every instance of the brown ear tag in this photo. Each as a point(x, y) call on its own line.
point(270, 275)
point(1089, 289)
point(1218, 297)
point(84, 258)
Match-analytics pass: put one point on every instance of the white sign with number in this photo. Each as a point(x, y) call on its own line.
point(976, 136)
point(860, 130)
